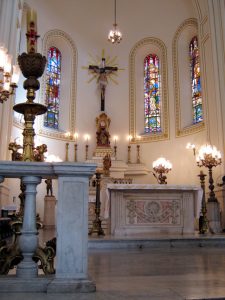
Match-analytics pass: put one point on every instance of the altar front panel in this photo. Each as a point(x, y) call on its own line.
point(147, 209)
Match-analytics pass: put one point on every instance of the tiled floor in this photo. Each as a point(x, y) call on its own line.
point(146, 274)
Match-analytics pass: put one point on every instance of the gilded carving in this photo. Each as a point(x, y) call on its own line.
point(142, 212)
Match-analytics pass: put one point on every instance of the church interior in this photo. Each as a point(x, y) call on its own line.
point(112, 149)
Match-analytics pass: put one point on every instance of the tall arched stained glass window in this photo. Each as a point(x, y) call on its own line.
point(195, 81)
point(53, 77)
point(152, 101)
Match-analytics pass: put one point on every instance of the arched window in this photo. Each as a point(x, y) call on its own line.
point(195, 81)
point(152, 94)
point(53, 77)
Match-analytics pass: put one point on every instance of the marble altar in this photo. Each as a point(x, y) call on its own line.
point(153, 208)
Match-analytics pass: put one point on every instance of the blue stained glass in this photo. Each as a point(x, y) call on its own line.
point(152, 101)
point(52, 92)
point(195, 81)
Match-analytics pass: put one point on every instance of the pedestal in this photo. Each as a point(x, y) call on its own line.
point(213, 216)
point(49, 211)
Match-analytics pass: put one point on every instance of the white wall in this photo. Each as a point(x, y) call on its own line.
point(87, 22)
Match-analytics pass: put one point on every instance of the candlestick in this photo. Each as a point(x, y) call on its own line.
point(31, 31)
point(97, 223)
point(115, 152)
point(138, 154)
point(203, 222)
point(86, 152)
point(75, 152)
point(128, 156)
point(67, 152)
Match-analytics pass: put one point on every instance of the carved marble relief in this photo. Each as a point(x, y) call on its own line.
point(144, 212)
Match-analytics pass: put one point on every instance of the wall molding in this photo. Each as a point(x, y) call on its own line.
point(48, 41)
point(195, 127)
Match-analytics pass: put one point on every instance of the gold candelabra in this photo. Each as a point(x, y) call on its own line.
point(161, 166)
point(97, 223)
point(209, 157)
point(203, 221)
point(32, 65)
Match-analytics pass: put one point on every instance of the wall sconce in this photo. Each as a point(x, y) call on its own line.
point(8, 80)
point(161, 166)
point(191, 146)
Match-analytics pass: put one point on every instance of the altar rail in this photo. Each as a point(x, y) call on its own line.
point(72, 227)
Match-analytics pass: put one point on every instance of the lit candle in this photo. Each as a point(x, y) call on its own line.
point(75, 136)
point(115, 140)
point(87, 138)
point(31, 31)
point(67, 134)
point(129, 138)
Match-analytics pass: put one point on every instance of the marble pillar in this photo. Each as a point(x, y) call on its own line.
point(72, 231)
point(72, 228)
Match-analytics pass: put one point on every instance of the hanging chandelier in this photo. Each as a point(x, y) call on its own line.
point(115, 36)
point(8, 79)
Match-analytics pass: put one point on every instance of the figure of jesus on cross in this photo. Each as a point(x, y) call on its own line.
point(102, 72)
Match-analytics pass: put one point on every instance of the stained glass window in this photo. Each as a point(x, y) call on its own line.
point(152, 101)
point(195, 81)
point(53, 77)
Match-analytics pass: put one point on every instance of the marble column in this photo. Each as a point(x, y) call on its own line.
point(28, 241)
point(72, 230)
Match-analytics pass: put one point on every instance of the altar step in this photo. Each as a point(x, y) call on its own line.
point(162, 242)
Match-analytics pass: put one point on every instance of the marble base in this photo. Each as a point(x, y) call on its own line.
point(13, 284)
point(45, 284)
point(71, 286)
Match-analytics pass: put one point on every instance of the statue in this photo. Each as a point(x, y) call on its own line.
point(14, 147)
point(102, 134)
point(106, 164)
point(39, 152)
point(103, 72)
point(49, 187)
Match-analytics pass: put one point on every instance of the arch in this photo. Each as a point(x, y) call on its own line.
point(136, 99)
point(182, 82)
point(67, 120)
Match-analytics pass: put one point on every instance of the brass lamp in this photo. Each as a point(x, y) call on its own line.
point(114, 36)
point(209, 157)
point(161, 166)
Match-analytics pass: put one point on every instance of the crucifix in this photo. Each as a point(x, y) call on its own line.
point(102, 71)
